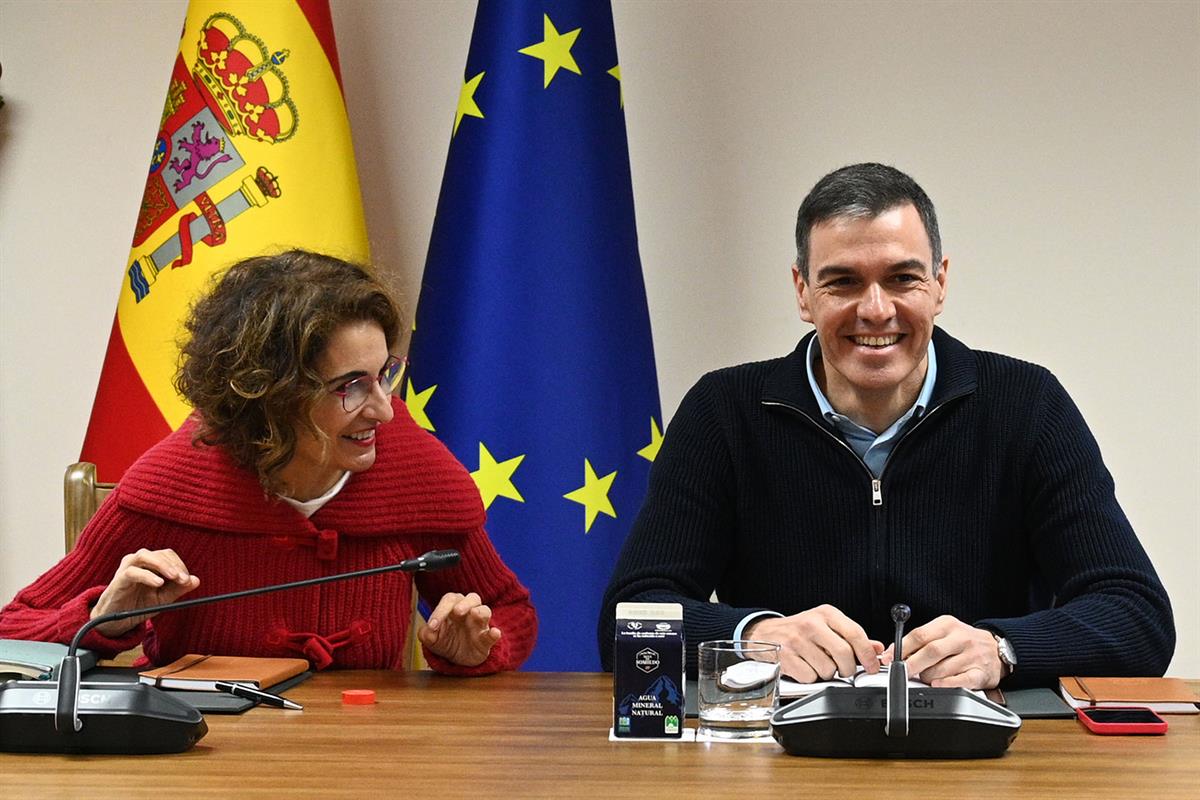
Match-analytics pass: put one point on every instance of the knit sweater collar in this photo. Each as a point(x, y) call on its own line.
point(415, 486)
point(787, 383)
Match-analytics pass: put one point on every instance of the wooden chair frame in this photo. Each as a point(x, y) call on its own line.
point(82, 496)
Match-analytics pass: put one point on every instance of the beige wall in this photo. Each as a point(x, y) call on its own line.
point(1058, 140)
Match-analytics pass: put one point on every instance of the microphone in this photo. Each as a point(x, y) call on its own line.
point(897, 688)
point(133, 718)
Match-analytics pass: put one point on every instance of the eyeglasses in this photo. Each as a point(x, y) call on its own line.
point(356, 392)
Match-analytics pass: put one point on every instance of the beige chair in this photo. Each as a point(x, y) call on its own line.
point(83, 494)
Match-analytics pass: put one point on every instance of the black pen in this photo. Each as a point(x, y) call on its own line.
point(250, 693)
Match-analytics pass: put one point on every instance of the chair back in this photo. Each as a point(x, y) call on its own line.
point(414, 656)
point(82, 496)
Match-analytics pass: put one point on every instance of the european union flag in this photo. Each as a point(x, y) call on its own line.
point(532, 358)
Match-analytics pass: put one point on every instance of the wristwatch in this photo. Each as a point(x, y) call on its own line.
point(1008, 656)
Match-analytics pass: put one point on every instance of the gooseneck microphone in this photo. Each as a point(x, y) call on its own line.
point(129, 718)
point(897, 688)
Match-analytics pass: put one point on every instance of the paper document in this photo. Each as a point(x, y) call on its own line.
point(860, 679)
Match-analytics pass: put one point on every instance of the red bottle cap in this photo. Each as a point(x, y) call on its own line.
point(358, 697)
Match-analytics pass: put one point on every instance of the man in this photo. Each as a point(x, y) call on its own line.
point(884, 461)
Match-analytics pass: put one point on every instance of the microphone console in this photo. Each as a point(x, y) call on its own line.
point(850, 722)
point(895, 721)
point(116, 718)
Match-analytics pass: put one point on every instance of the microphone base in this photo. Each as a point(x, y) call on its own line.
point(849, 723)
point(118, 718)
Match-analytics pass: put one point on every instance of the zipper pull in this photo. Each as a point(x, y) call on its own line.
point(876, 492)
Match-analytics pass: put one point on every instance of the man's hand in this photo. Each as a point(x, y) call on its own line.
point(144, 578)
point(949, 652)
point(817, 643)
point(460, 630)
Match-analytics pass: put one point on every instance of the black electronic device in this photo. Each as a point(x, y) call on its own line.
point(896, 721)
point(66, 716)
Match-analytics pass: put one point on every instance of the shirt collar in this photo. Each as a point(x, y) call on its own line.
point(827, 410)
point(310, 507)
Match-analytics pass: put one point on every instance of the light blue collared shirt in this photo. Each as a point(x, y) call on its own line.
point(871, 448)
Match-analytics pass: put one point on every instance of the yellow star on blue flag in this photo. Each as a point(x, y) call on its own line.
point(494, 478)
point(593, 495)
point(650, 451)
point(554, 50)
point(467, 107)
point(416, 402)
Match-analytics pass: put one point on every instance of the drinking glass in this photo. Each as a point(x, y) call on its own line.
point(737, 686)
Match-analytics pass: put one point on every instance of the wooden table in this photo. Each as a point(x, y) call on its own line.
point(545, 735)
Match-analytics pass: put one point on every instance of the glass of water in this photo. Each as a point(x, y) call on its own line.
point(737, 685)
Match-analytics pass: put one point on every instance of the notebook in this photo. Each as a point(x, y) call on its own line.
point(200, 673)
point(1164, 695)
point(25, 660)
point(204, 702)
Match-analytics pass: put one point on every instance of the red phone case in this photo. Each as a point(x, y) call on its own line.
point(1122, 728)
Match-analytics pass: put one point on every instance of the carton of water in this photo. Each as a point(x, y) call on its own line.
point(648, 671)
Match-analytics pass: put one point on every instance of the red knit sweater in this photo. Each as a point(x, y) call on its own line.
point(214, 514)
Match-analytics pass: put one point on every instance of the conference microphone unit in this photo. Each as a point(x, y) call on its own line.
point(69, 716)
point(896, 721)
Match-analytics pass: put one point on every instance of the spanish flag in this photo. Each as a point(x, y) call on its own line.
point(253, 155)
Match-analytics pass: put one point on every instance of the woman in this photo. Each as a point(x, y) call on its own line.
point(296, 463)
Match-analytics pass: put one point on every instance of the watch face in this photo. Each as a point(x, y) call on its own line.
point(1007, 654)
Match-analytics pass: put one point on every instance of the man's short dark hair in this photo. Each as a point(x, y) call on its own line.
point(863, 191)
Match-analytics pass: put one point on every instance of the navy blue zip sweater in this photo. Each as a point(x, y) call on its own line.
point(994, 507)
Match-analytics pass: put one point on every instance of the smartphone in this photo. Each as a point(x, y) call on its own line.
point(1118, 721)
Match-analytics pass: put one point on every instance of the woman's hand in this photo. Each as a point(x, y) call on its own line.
point(145, 578)
point(460, 630)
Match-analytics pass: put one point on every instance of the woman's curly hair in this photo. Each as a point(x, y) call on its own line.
point(247, 365)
